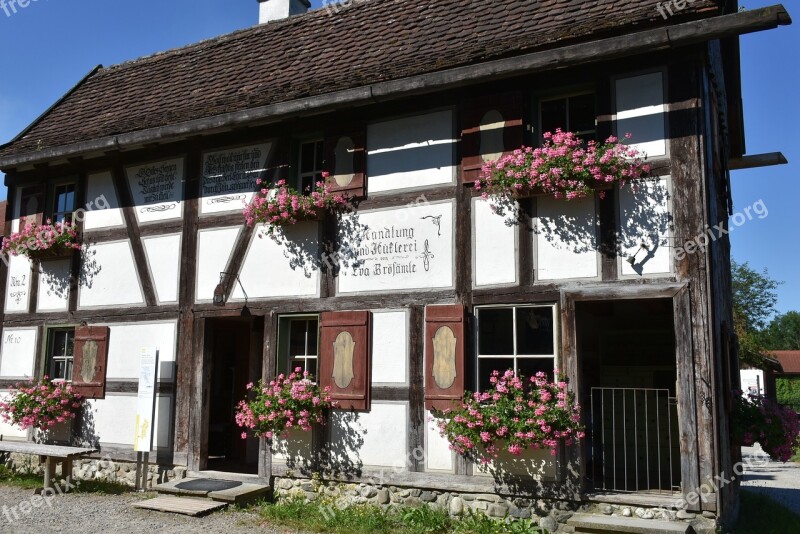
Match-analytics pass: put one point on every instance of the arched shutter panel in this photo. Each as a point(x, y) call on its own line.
point(346, 161)
point(444, 356)
point(31, 205)
point(344, 359)
point(490, 128)
point(90, 358)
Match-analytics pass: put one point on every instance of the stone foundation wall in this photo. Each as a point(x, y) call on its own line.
point(97, 469)
point(548, 514)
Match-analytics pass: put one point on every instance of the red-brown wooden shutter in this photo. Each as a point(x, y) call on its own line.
point(91, 355)
point(351, 146)
point(349, 379)
point(447, 322)
point(31, 205)
point(473, 113)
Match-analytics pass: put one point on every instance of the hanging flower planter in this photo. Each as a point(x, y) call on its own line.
point(293, 402)
point(43, 241)
point(515, 414)
point(564, 167)
point(280, 205)
point(40, 404)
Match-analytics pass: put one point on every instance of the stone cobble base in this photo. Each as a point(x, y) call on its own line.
point(102, 469)
point(548, 514)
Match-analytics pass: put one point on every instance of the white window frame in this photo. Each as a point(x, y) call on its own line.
point(51, 212)
point(286, 358)
point(301, 175)
point(51, 358)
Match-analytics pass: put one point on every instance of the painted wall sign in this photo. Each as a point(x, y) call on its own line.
point(18, 284)
point(229, 177)
point(409, 247)
point(146, 400)
point(157, 190)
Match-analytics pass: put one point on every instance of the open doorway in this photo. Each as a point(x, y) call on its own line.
point(235, 357)
point(628, 365)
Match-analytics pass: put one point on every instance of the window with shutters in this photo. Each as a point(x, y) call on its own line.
point(521, 338)
point(574, 113)
point(60, 354)
point(298, 343)
point(310, 165)
point(63, 205)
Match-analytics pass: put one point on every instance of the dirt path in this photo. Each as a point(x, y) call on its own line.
point(779, 481)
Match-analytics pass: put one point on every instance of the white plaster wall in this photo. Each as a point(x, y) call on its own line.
point(389, 347)
point(109, 276)
point(18, 352)
point(18, 286)
point(100, 191)
point(54, 279)
point(438, 456)
point(163, 258)
point(125, 344)
point(641, 111)
point(495, 249)
point(566, 238)
point(297, 446)
point(214, 248)
point(283, 266)
point(383, 430)
point(411, 152)
point(752, 378)
point(8, 430)
point(364, 232)
point(169, 207)
point(534, 463)
point(114, 419)
point(645, 217)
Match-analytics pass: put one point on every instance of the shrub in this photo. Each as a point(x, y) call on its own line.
point(774, 427)
point(40, 404)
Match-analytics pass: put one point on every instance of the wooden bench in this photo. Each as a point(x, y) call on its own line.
point(53, 454)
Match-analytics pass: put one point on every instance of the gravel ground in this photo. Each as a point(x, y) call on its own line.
point(96, 513)
point(779, 481)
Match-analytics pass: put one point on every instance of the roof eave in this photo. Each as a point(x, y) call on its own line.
point(646, 41)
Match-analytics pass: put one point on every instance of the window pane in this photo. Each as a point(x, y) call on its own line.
point(70, 343)
point(297, 363)
point(68, 373)
point(311, 366)
point(528, 367)
point(554, 115)
point(581, 113)
point(318, 163)
point(59, 343)
point(297, 338)
point(307, 157)
point(487, 365)
point(59, 370)
point(307, 184)
point(535, 331)
point(313, 332)
point(495, 332)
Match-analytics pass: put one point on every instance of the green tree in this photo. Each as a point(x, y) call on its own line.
point(783, 333)
point(754, 298)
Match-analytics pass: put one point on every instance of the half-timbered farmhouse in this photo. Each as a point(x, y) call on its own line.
point(401, 101)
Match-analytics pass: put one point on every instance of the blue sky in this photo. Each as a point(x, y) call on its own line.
point(48, 46)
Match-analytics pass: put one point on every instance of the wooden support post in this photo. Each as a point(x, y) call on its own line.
point(49, 471)
point(66, 473)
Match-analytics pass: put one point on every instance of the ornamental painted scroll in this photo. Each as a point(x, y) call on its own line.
point(89, 361)
point(444, 357)
point(343, 349)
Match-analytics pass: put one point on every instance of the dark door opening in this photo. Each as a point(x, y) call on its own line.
point(235, 346)
point(628, 365)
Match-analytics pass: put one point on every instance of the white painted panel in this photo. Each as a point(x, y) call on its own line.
point(102, 206)
point(641, 112)
point(8, 430)
point(411, 152)
point(213, 251)
point(536, 464)
point(109, 276)
point(125, 345)
point(495, 248)
point(229, 177)
point(18, 352)
point(113, 419)
point(54, 280)
point(389, 347)
point(645, 218)
point(18, 288)
point(157, 190)
point(163, 256)
point(383, 431)
point(566, 238)
point(410, 247)
point(284, 265)
point(438, 455)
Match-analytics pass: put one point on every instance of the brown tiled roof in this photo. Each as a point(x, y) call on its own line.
point(790, 360)
point(320, 52)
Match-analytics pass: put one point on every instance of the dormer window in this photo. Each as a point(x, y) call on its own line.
point(311, 165)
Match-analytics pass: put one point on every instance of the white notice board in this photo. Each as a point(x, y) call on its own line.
point(146, 403)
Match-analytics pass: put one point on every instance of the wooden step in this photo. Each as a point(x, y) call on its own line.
point(588, 523)
point(228, 491)
point(180, 505)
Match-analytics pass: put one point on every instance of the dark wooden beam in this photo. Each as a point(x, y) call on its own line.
point(757, 160)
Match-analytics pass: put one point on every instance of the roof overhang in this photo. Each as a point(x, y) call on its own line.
point(756, 161)
point(646, 41)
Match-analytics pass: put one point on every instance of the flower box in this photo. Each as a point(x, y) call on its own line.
point(54, 253)
point(42, 241)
